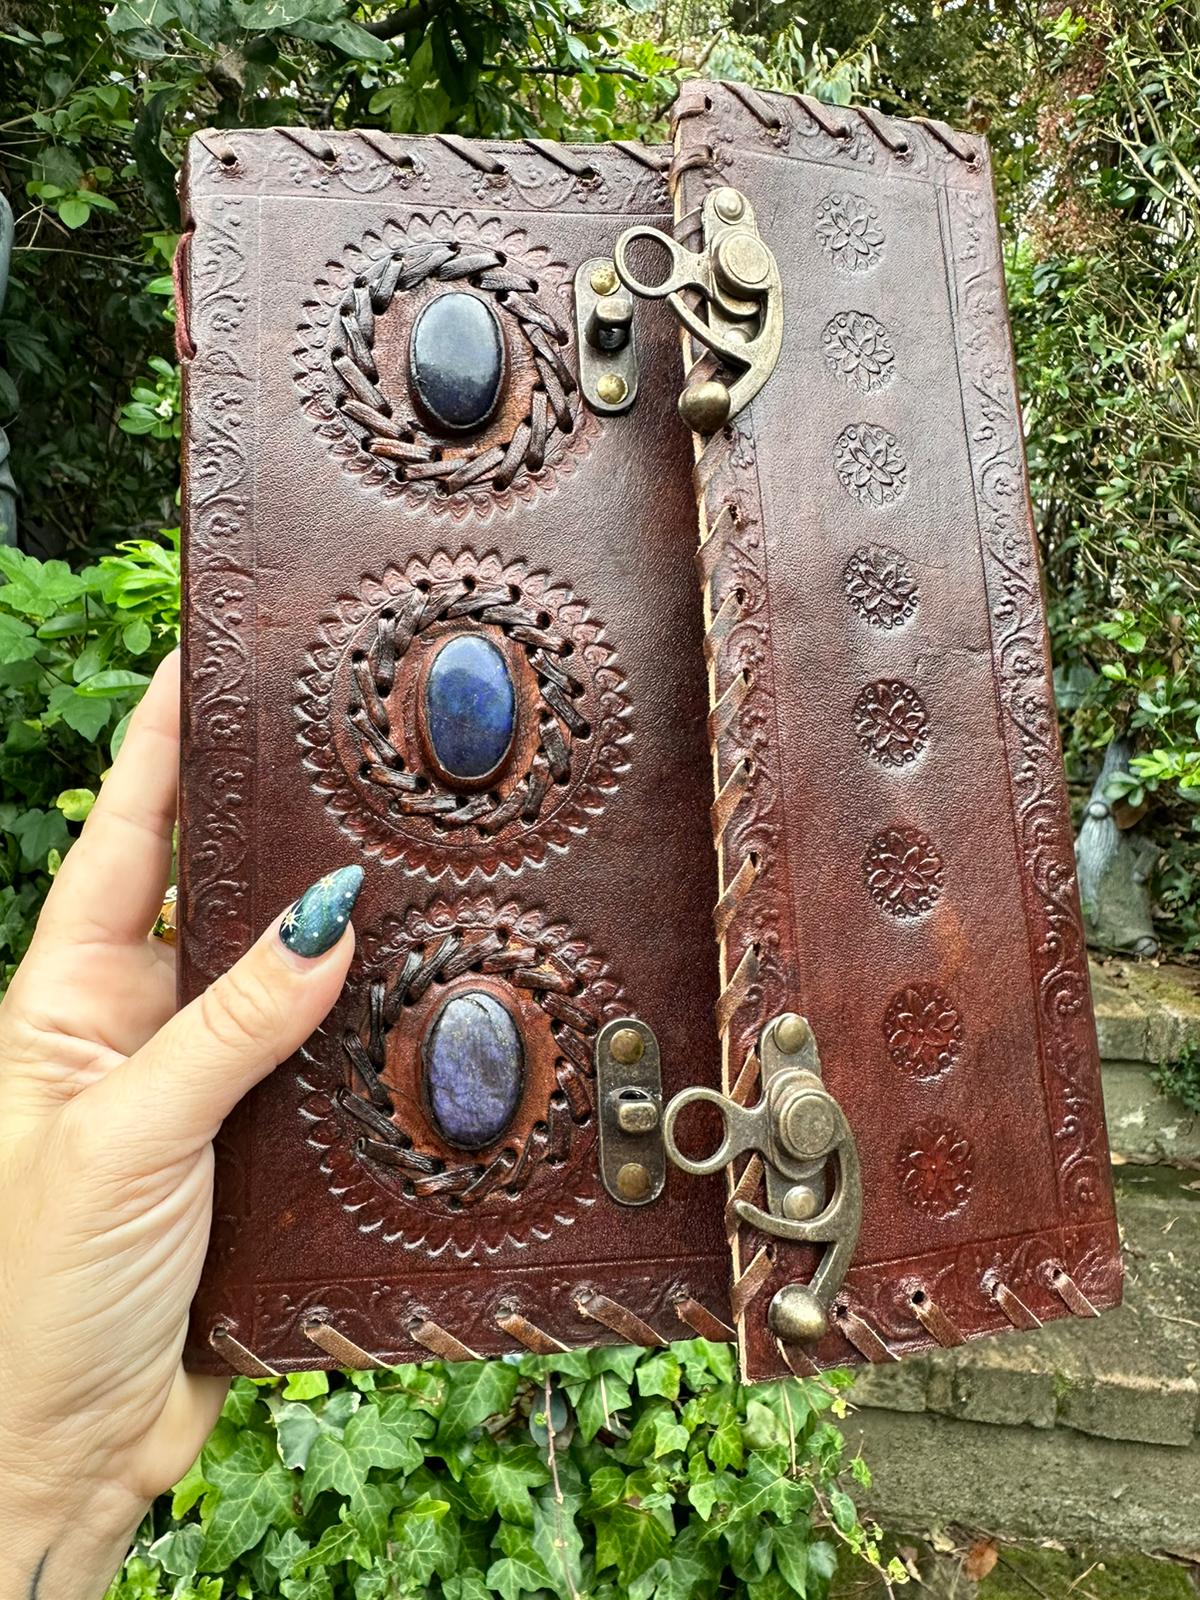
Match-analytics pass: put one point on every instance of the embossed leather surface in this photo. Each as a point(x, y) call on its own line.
point(332, 543)
point(892, 824)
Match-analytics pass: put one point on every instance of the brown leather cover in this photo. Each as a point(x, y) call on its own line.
point(892, 823)
point(322, 565)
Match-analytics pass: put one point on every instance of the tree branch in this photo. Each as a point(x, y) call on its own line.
point(401, 22)
point(536, 70)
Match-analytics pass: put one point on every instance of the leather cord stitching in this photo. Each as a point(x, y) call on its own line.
point(619, 1319)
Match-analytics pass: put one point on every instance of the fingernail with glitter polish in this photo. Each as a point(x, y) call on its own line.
point(318, 919)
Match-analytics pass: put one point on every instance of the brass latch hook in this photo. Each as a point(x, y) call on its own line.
point(738, 279)
point(797, 1128)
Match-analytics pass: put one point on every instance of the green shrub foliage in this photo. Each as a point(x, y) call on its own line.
point(610, 1474)
point(76, 650)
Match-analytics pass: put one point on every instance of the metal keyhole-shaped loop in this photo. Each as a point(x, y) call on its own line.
point(739, 316)
point(801, 1134)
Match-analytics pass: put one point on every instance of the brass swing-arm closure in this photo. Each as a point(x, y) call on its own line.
point(797, 1128)
point(737, 277)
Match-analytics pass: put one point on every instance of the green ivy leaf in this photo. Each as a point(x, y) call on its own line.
point(669, 1435)
point(422, 1542)
point(724, 1446)
point(502, 1484)
point(296, 1428)
point(477, 1390)
point(791, 1543)
point(178, 1551)
point(342, 1541)
point(39, 832)
point(660, 1375)
point(17, 639)
point(75, 804)
point(606, 1488)
point(521, 1569)
point(692, 1570)
point(190, 1488)
point(371, 1513)
point(256, 1490)
point(599, 1404)
point(558, 1540)
point(631, 1540)
point(113, 682)
point(136, 637)
point(37, 588)
point(302, 1385)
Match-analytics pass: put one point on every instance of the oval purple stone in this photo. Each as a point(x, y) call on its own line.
point(474, 1069)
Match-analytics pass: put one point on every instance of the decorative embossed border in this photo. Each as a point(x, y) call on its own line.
point(219, 609)
point(1029, 721)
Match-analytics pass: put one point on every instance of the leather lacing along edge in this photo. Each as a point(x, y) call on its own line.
point(633, 1329)
point(474, 154)
point(760, 106)
point(318, 1329)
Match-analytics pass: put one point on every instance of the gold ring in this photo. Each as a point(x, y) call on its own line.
point(164, 923)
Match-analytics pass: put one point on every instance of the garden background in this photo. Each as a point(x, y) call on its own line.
point(620, 1475)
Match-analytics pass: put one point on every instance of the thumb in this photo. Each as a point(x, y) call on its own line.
point(177, 1089)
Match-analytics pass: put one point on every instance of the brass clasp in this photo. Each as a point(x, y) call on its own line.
point(797, 1128)
point(737, 278)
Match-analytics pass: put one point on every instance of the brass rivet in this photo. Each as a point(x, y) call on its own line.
point(807, 1125)
point(728, 204)
point(626, 1046)
point(705, 406)
point(796, 1315)
point(604, 279)
point(791, 1033)
point(637, 1116)
point(633, 1181)
point(799, 1203)
point(611, 388)
point(743, 260)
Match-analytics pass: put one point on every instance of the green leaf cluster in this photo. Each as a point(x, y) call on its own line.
point(76, 651)
point(610, 1474)
point(1104, 280)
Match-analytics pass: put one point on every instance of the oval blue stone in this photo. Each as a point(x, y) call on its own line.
point(474, 1068)
point(470, 707)
point(456, 356)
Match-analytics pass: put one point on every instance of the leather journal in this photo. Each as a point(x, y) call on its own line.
point(445, 617)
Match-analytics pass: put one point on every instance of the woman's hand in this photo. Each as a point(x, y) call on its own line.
point(108, 1107)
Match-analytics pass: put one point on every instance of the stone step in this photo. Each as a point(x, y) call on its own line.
point(1146, 1015)
point(1133, 1374)
point(929, 1471)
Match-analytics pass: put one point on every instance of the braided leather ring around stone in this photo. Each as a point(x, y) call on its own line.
point(437, 363)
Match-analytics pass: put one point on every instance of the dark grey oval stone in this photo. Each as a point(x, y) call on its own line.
point(470, 707)
point(474, 1069)
point(456, 355)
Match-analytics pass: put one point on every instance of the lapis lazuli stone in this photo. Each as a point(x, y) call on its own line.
point(474, 1069)
point(457, 360)
point(470, 707)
